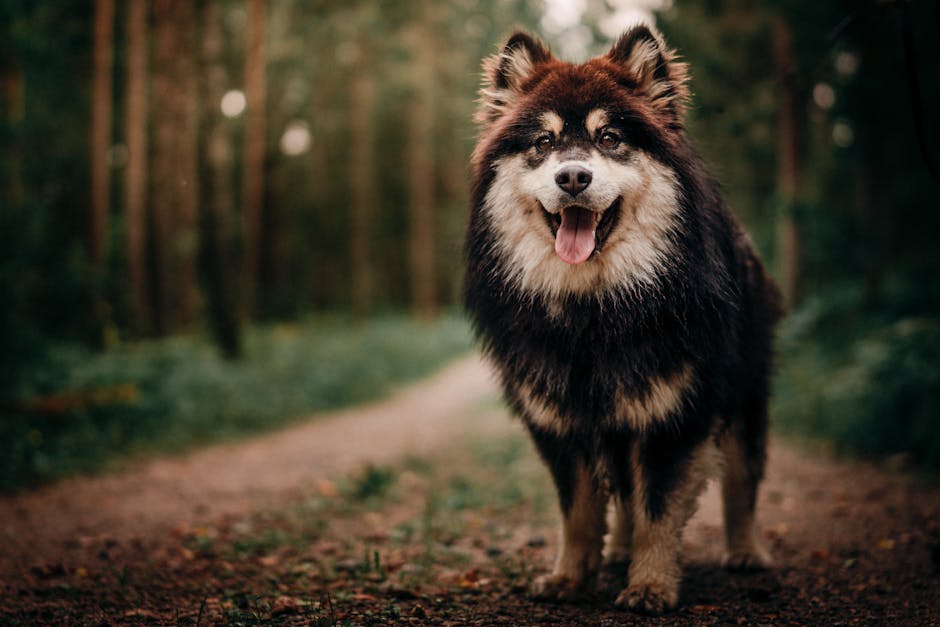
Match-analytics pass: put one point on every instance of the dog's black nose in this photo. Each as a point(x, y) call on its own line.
point(574, 179)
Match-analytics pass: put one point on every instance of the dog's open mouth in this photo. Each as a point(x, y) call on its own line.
point(580, 232)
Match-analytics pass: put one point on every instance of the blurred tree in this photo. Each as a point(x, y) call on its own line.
point(320, 182)
point(14, 112)
point(216, 241)
point(138, 154)
point(253, 173)
point(367, 212)
point(420, 38)
point(175, 189)
point(101, 127)
point(362, 180)
point(790, 137)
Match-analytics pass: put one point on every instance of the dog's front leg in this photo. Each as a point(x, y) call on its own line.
point(655, 573)
point(583, 504)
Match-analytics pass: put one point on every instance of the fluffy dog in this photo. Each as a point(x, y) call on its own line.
point(624, 308)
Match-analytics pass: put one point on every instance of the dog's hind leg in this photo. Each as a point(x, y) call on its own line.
point(583, 504)
point(620, 540)
point(619, 545)
point(744, 447)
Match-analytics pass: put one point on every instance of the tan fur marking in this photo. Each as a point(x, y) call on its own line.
point(595, 120)
point(552, 122)
point(663, 397)
point(642, 62)
point(540, 413)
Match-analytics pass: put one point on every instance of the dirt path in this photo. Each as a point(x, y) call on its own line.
point(49, 524)
point(852, 542)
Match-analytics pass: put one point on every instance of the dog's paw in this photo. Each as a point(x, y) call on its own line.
point(557, 587)
point(756, 558)
point(650, 598)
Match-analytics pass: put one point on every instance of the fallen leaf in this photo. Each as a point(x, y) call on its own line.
point(362, 596)
point(469, 579)
point(886, 544)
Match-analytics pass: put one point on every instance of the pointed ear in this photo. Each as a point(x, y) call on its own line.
point(652, 69)
point(505, 73)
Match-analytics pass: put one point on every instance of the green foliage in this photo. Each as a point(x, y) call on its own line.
point(865, 379)
point(78, 410)
point(858, 358)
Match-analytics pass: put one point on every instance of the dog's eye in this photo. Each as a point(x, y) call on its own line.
point(608, 139)
point(543, 143)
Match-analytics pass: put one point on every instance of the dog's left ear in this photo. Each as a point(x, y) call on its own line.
point(652, 70)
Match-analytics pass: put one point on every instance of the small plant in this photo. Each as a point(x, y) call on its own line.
point(374, 482)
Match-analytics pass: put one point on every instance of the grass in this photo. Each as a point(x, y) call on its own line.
point(80, 411)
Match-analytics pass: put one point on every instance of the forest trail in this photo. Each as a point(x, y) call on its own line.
point(851, 541)
point(47, 524)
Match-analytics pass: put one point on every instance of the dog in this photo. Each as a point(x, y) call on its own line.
point(624, 309)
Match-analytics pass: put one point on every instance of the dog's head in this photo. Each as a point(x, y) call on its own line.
point(572, 163)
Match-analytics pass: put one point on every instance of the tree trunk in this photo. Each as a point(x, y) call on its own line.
point(455, 196)
point(186, 241)
point(163, 173)
point(255, 131)
point(318, 182)
point(362, 182)
point(789, 163)
point(101, 115)
point(215, 231)
point(135, 184)
point(421, 179)
point(175, 175)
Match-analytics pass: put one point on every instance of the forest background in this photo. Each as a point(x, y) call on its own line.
point(220, 215)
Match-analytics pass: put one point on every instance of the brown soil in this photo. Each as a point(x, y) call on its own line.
point(263, 531)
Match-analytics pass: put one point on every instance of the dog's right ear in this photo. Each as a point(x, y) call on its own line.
point(505, 73)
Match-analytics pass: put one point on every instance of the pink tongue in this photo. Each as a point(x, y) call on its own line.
point(574, 242)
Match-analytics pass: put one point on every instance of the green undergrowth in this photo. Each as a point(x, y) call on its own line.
point(78, 411)
point(863, 378)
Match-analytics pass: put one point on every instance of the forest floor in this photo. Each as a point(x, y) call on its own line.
point(430, 508)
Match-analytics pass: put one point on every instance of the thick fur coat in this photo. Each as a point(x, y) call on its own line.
point(622, 305)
